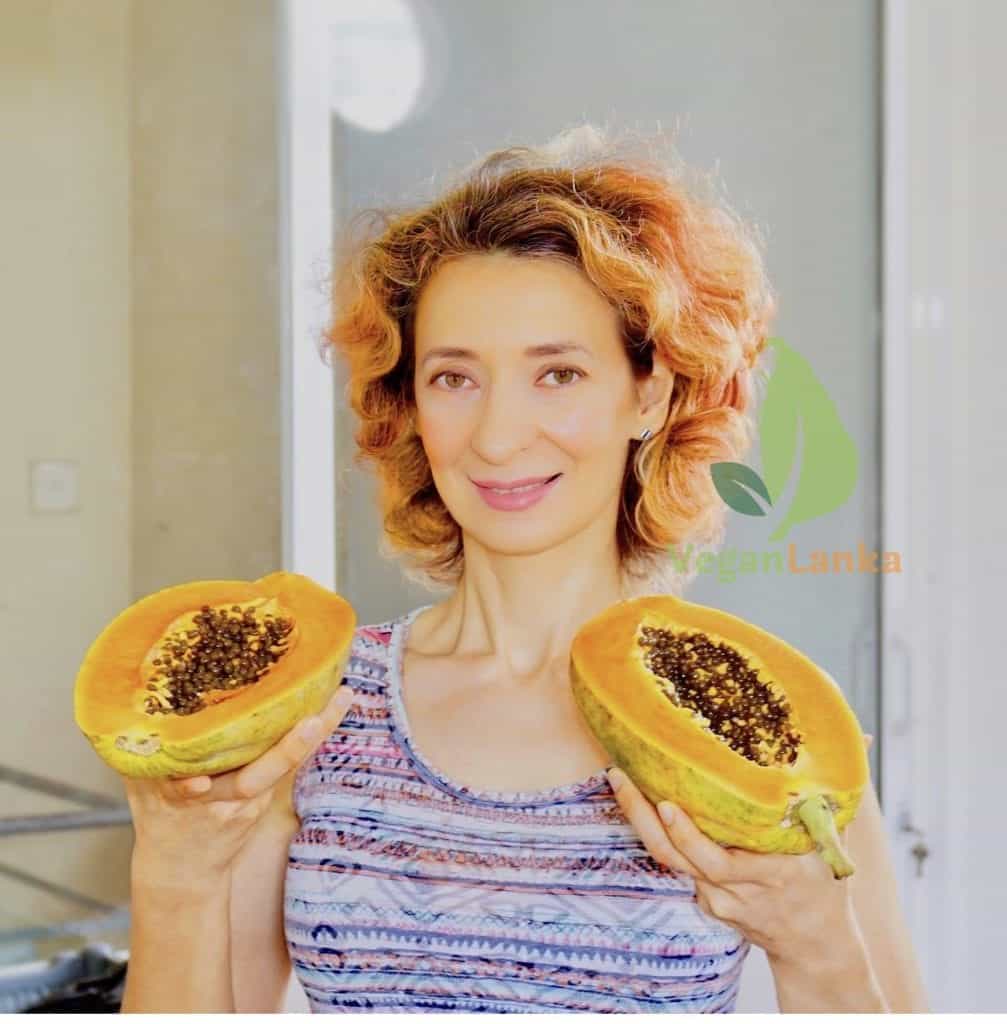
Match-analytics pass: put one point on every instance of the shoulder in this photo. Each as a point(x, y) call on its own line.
point(373, 641)
point(373, 646)
point(374, 633)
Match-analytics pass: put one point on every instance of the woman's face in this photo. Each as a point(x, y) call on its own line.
point(502, 407)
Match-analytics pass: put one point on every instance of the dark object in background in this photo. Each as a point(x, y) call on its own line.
point(89, 980)
point(100, 994)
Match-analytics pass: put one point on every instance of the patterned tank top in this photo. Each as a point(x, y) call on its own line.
point(406, 891)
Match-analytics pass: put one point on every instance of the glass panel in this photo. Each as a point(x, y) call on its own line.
point(781, 101)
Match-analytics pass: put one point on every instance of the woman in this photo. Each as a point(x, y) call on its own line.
point(545, 361)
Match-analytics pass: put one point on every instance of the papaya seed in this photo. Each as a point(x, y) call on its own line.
point(225, 652)
point(688, 659)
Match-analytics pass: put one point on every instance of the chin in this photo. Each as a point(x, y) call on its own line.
point(513, 544)
point(531, 537)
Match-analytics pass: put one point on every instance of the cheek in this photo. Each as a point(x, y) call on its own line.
point(583, 430)
point(444, 432)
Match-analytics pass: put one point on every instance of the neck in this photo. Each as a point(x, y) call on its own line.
point(515, 616)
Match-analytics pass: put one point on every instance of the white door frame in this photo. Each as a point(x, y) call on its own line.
point(922, 155)
point(308, 403)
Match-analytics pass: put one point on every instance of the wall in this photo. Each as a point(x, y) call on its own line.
point(965, 364)
point(140, 296)
point(65, 295)
point(945, 458)
point(206, 383)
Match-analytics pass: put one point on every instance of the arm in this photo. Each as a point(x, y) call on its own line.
point(260, 965)
point(219, 947)
point(846, 984)
point(196, 841)
point(179, 946)
point(877, 970)
point(876, 904)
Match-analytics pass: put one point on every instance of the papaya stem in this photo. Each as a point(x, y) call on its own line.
point(816, 814)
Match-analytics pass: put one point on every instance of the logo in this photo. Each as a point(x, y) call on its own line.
point(796, 405)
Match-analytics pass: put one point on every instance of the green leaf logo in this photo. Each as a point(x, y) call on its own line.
point(796, 401)
point(731, 479)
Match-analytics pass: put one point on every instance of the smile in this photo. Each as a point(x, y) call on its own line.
point(515, 498)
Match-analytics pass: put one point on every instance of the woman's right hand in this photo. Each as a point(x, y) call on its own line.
point(194, 827)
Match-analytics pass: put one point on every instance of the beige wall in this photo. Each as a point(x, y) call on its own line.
point(141, 340)
point(206, 381)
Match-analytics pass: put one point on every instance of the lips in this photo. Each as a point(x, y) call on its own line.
point(509, 485)
point(518, 498)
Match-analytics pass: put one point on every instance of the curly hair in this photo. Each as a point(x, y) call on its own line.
point(684, 273)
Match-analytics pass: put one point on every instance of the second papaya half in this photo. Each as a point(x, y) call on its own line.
point(752, 739)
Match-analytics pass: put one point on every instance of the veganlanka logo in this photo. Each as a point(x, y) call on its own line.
point(795, 403)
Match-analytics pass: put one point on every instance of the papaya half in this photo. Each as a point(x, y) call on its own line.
point(203, 677)
point(752, 739)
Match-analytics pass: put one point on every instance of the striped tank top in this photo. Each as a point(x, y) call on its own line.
point(406, 891)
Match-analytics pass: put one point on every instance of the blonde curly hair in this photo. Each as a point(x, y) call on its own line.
point(684, 273)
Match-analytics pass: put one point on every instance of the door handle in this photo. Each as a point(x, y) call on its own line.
point(919, 849)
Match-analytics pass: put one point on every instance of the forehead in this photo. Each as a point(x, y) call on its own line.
point(492, 298)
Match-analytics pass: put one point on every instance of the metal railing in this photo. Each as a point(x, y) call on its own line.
point(103, 811)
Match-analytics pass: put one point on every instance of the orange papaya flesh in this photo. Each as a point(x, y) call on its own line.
point(203, 677)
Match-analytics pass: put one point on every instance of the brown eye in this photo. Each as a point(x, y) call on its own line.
point(446, 374)
point(564, 369)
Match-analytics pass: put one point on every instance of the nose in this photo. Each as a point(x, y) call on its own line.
point(506, 425)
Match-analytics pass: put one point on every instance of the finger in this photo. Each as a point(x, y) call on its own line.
point(195, 786)
point(264, 772)
point(709, 859)
point(642, 816)
point(868, 740)
point(184, 787)
point(287, 755)
point(232, 785)
point(716, 902)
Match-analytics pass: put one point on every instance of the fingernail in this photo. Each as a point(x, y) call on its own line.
point(616, 779)
point(667, 812)
point(310, 728)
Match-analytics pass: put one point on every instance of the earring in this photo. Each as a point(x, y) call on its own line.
point(646, 433)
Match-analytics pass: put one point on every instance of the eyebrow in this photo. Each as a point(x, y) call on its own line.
point(549, 348)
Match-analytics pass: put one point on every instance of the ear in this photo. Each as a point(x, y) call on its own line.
point(654, 394)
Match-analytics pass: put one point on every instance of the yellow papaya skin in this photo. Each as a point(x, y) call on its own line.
point(724, 816)
point(230, 747)
point(796, 804)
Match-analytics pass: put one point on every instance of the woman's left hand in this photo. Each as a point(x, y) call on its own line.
point(789, 904)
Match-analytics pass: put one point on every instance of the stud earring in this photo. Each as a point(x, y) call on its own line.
point(646, 433)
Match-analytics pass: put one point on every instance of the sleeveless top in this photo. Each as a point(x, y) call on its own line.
point(406, 891)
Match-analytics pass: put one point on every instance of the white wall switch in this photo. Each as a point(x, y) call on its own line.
point(53, 485)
